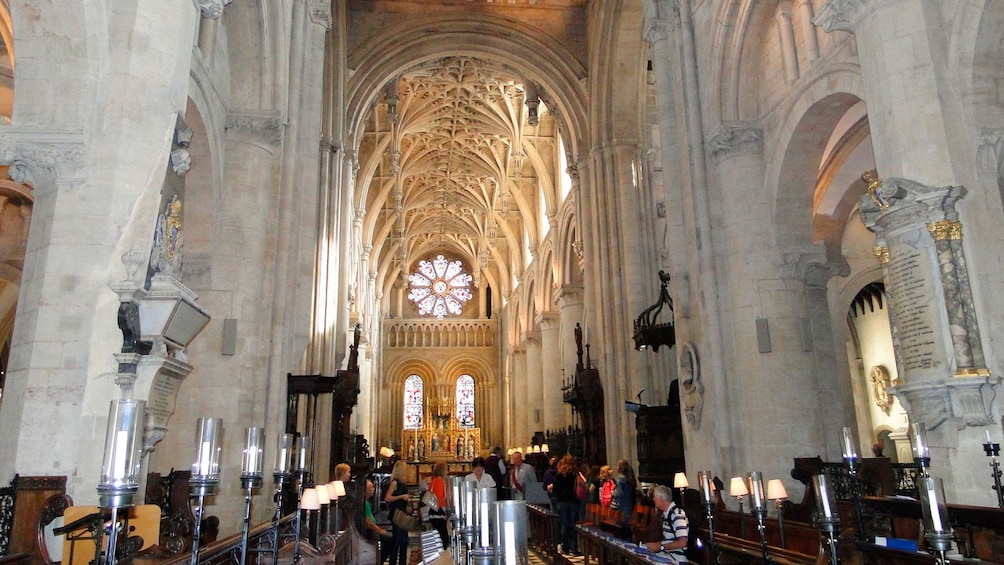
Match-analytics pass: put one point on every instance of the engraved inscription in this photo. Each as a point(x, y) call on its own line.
point(163, 394)
point(911, 293)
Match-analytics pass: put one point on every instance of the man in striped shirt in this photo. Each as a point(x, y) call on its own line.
point(675, 526)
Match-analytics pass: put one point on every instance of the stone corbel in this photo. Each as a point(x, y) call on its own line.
point(811, 265)
point(967, 401)
point(265, 131)
point(212, 9)
point(733, 140)
point(320, 13)
point(846, 15)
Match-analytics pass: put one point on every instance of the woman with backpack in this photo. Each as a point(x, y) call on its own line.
point(568, 504)
point(607, 486)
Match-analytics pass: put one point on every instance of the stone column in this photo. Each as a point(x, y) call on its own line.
point(534, 385)
point(518, 395)
point(570, 301)
point(552, 410)
point(939, 356)
point(913, 117)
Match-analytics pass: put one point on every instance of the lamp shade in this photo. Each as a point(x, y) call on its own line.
point(775, 490)
point(536, 449)
point(339, 489)
point(386, 452)
point(322, 494)
point(510, 451)
point(545, 448)
point(309, 500)
point(737, 487)
point(680, 481)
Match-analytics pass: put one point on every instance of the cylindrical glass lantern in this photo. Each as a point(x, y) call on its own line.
point(283, 454)
point(919, 445)
point(826, 503)
point(932, 503)
point(302, 449)
point(206, 467)
point(484, 514)
point(847, 444)
point(468, 492)
point(123, 453)
point(757, 497)
point(254, 448)
point(510, 532)
point(706, 486)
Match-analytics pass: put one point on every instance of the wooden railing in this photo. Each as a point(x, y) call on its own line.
point(545, 531)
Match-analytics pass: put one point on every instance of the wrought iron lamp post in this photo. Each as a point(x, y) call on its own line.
point(937, 530)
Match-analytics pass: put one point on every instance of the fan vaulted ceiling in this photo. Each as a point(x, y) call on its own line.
point(453, 163)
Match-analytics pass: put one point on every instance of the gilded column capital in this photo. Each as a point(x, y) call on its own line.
point(733, 140)
point(882, 253)
point(39, 158)
point(895, 203)
point(945, 230)
point(320, 13)
point(263, 130)
point(846, 15)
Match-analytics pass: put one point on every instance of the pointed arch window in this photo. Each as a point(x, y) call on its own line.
point(414, 391)
point(440, 287)
point(465, 401)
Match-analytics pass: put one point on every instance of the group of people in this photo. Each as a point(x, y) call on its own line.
point(570, 488)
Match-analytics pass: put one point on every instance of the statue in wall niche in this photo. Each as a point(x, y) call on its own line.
point(691, 388)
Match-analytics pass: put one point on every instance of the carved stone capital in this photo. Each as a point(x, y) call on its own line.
point(265, 131)
point(661, 17)
point(548, 320)
point(990, 149)
point(39, 158)
point(531, 338)
point(181, 161)
point(733, 140)
point(811, 265)
point(212, 9)
point(846, 15)
point(320, 13)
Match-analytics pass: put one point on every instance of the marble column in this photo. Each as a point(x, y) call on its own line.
point(534, 385)
point(939, 354)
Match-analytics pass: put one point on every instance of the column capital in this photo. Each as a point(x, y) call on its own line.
point(968, 400)
point(263, 130)
point(212, 9)
point(548, 320)
point(531, 338)
point(661, 17)
point(39, 158)
point(733, 140)
point(811, 265)
point(846, 15)
point(320, 13)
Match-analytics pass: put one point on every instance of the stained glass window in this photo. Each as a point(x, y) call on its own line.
point(439, 287)
point(465, 401)
point(413, 393)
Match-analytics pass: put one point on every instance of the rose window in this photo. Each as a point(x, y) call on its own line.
point(439, 287)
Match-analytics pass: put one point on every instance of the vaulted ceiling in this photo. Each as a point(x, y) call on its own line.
point(452, 162)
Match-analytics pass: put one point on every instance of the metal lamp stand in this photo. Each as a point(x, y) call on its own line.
point(280, 479)
point(113, 498)
point(200, 488)
point(852, 468)
point(248, 483)
point(760, 514)
point(830, 529)
point(993, 451)
point(709, 511)
point(301, 475)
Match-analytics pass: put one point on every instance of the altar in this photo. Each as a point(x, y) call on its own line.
point(441, 441)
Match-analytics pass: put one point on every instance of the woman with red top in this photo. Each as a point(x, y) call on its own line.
point(437, 516)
